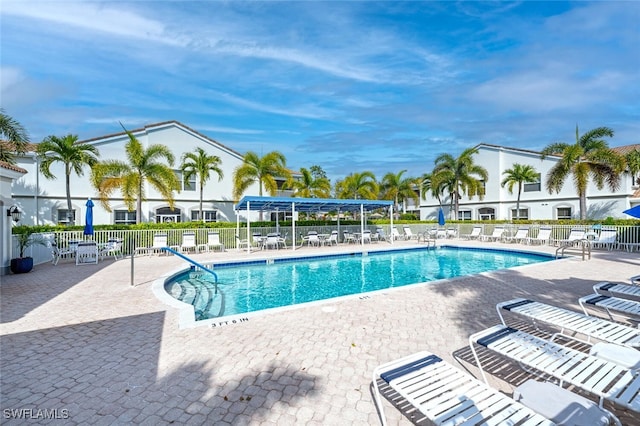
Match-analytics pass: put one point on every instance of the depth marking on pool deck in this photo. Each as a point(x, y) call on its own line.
point(229, 322)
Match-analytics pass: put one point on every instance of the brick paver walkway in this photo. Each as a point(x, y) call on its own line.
point(81, 343)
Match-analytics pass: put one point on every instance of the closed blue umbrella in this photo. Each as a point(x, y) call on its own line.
point(633, 211)
point(441, 221)
point(88, 221)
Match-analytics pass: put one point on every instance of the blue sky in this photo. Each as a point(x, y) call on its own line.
point(349, 86)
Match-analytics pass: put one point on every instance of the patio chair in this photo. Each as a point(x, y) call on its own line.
point(382, 235)
point(441, 234)
point(606, 239)
point(257, 240)
point(395, 235)
point(272, 241)
point(495, 236)
point(622, 291)
point(213, 243)
point(408, 234)
point(474, 235)
point(333, 239)
point(451, 233)
point(60, 253)
point(571, 322)
point(519, 237)
point(613, 306)
point(160, 241)
point(543, 237)
point(188, 242)
point(635, 280)
point(311, 239)
point(576, 235)
point(242, 243)
point(282, 241)
point(604, 378)
point(348, 237)
point(445, 395)
point(112, 248)
point(87, 253)
point(366, 236)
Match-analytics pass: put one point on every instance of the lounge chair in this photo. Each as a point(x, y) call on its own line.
point(576, 235)
point(60, 253)
point(606, 379)
point(188, 242)
point(622, 291)
point(495, 236)
point(446, 395)
point(606, 239)
point(635, 280)
point(543, 237)
point(408, 234)
point(112, 248)
point(571, 322)
point(160, 241)
point(213, 243)
point(451, 233)
point(614, 306)
point(395, 235)
point(474, 235)
point(382, 235)
point(87, 253)
point(519, 237)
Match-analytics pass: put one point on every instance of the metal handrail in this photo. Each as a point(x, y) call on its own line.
point(193, 262)
point(584, 244)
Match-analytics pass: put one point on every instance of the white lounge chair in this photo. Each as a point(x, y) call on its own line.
point(474, 235)
point(571, 322)
point(451, 233)
point(160, 241)
point(213, 243)
point(188, 242)
point(87, 253)
point(623, 291)
point(382, 235)
point(614, 306)
point(606, 239)
point(635, 280)
point(543, 236)
point(495, 236)
point(606, 379)
point(446, 395)
point(576, 235)
point(519, 237)
point(395, 235)
point(408, 234)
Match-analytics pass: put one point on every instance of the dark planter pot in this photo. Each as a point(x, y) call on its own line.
point(21, 265)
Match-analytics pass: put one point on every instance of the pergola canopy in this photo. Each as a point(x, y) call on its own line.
point(309, 204)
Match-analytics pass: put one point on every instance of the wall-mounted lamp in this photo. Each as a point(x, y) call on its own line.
point(14, 213)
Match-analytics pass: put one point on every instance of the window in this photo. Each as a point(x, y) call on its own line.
point(464, 215)
point(190, 185)
point(125, 217)
point(63, 216)
point(487, 213)
point(563, 213)
point(209, 215)
point(524, 214)
point(532, 186)
point(166, 215)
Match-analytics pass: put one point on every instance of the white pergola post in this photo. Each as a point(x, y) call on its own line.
point(249, 236)
point(293, 226)
point(362, 225)
point(238, 230)
point(391, 230)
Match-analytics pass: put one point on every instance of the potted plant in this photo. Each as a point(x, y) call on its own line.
point(26, 239)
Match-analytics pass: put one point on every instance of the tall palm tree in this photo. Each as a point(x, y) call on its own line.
point(394, 187)
point(589, 157)
point(633, 165)
point(358, 185)
point(519, 174)
point(459, 176)
point(16, 136)
point(261, 170)
point(73, 155)
point(309, 186)
point(129, 177)
point(200, 164)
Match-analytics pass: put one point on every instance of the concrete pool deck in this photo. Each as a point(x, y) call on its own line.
point(85, 345)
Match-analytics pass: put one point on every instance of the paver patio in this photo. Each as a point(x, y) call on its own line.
point(81, 340)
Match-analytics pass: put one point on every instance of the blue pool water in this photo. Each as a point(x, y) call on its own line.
point(255, 286)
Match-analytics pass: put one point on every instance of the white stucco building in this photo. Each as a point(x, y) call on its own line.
point(535, 201)
point(43, 201)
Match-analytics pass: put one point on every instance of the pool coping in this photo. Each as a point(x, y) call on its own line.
point(186, 312)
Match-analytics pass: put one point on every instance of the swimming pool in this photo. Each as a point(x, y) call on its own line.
point(245, 287)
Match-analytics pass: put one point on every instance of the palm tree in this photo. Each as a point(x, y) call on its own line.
point(16, 136)
point(261, 170)
point(358, 185)
point(74, 156)
point(519, 174)
point(394, 187)
point(459, 176)
point(309, 186)
point(633, 165)
point(129, 177)
point(201, 164)
point(590, 156)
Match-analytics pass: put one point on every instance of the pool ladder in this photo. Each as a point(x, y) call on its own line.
point(584, 247)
